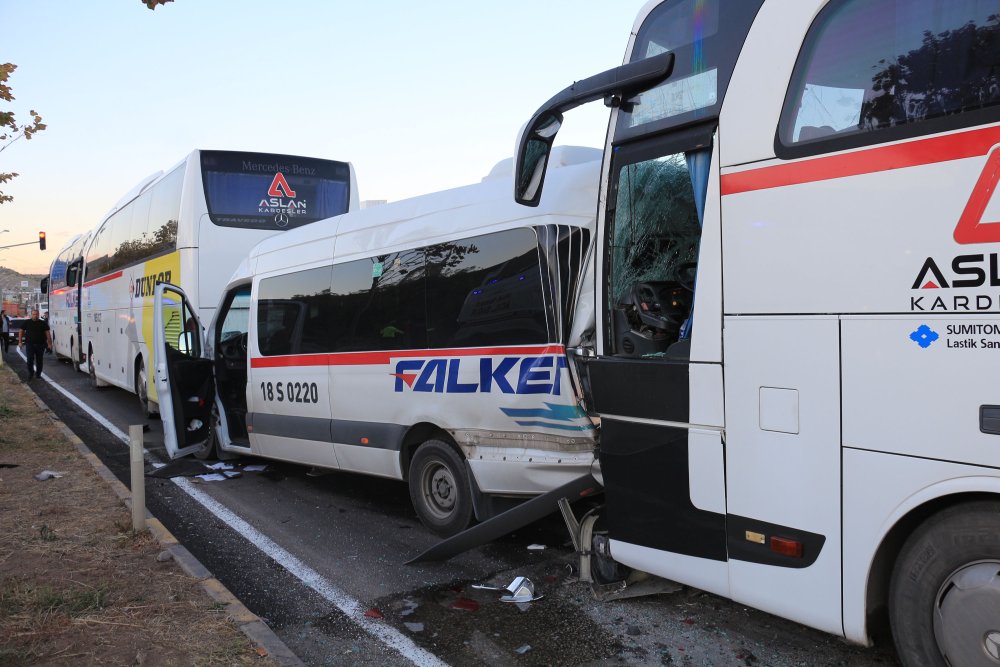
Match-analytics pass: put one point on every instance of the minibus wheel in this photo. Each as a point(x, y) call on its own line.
point(439, 488)
point(211, 450)
point(945, 589)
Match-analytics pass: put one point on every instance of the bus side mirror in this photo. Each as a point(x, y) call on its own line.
point(533, 158)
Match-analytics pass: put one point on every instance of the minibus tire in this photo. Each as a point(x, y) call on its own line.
point(439, 488)
point(212, 450)
point(949, 567)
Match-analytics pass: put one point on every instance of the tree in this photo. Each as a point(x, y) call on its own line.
point(10, 130)
point(152, 4)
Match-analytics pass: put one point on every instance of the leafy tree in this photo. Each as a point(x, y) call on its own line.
point(152, 4)
point(10, 130)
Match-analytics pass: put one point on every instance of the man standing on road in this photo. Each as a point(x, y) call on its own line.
point(39, 339)
point(5, 326)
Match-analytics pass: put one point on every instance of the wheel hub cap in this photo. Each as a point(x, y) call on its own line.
point(965, 618)
point(442, 490)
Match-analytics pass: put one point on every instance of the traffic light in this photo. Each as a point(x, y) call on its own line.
point(41, 240)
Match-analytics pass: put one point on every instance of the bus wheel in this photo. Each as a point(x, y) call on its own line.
point(142, 389)
point(91, 369)
point(945, 589)
point(603, 568)
point(439, 488)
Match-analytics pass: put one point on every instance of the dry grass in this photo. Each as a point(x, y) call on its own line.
point(77, 585)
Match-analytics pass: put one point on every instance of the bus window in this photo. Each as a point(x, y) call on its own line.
point(382, 302)
point(914, 67)
point(654, 243)
point(164, 212)
point(705, 37)
point(291, 313)
point(486, 290)
point(272, 191)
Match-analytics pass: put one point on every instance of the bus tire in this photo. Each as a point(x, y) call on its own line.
point(92, 371)
point(439, 488)
point(142, 389)
point(945, 589)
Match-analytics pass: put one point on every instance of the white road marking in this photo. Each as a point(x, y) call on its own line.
point(351, 608)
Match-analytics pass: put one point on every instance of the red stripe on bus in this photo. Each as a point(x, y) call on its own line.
point(60, 290)
point(870, 161)
point(103, 279)
point(384, 357)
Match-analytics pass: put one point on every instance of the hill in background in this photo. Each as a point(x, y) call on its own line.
point(13, 292)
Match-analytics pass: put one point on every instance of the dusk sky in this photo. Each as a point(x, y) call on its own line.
point(420, 97)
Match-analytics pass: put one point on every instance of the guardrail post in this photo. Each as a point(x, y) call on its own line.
point(138, 477)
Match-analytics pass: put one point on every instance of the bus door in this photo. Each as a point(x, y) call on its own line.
point(660, 406)
point(182, 373)
point(74, 290)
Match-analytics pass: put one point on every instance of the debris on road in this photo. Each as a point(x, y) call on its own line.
point(48, 474)
point(520, 590)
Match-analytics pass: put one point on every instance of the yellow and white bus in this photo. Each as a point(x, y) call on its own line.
point(190, 226)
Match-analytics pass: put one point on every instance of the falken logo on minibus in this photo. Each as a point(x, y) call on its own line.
point(965, 271)
point(281, 198)
point(507, 375)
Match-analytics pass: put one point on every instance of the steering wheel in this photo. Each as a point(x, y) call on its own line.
point(686, 273)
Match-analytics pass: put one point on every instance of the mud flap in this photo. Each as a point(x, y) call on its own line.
point(509, 521)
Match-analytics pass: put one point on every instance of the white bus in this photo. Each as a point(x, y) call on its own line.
point(796, 340)
point(421, 340)
point(190, 226)
point(65, 276)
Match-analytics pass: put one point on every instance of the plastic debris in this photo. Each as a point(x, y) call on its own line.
point(409, 606)
point(255, 468)
point(195, 424)
point(48, 474)
point(221, 465)
point(521, 589)
point(374, 613)
point(212, 477)
point(536, 547)
point(524, 649)
point(414, 627)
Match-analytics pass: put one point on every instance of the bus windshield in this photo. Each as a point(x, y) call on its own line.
point(261, 191)
point(705, 50)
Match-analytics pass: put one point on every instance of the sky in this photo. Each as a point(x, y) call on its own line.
point(420, 97)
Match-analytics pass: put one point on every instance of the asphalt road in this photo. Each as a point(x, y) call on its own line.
point(322, 563)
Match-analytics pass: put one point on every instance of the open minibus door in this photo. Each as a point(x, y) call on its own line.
point(184, 379)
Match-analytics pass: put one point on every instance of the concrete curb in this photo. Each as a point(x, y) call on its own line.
point(249, 623)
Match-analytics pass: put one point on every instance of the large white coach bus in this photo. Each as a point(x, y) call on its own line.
point(421, 340)
point(190, 226)
point(796, 348)
point(64, 298)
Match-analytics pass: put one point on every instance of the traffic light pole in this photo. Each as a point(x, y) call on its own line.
point(14, 245)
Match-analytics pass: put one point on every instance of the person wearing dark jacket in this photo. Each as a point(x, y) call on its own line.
point(38, 337)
